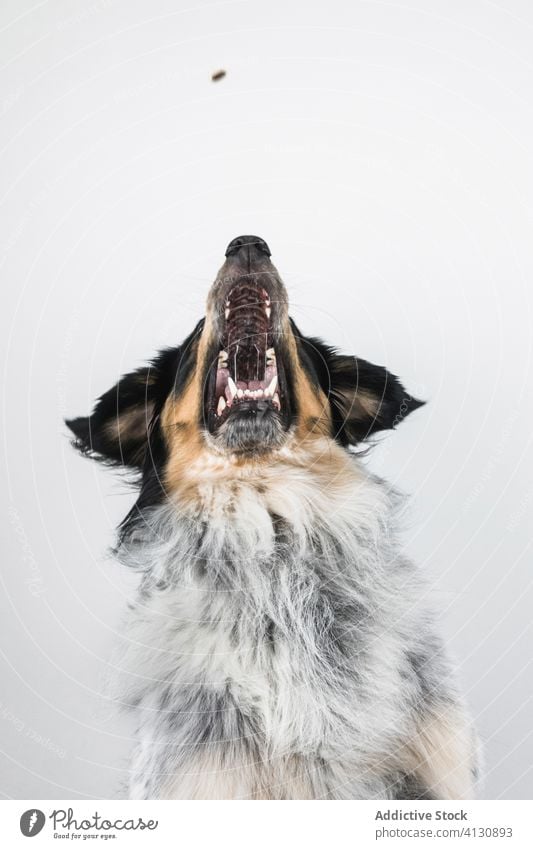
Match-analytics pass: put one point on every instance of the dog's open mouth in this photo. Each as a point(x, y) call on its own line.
point(247, 379)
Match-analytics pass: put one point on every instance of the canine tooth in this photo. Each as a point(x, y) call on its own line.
point(226, 313)
point(268, 311)
point(221, 406)
point(276, 401)
point(271, 388)
point(232, 387)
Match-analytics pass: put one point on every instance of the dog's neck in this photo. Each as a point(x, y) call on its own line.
point(307, 498)
point(300, 476)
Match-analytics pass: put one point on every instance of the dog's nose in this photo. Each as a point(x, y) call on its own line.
point(247, 245)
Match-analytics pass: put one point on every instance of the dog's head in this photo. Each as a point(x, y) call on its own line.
point(243, 384)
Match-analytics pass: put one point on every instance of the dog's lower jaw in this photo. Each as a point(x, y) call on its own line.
point(284, 650)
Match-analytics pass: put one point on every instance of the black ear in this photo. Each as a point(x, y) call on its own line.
point(364, 398)
point(117, 430)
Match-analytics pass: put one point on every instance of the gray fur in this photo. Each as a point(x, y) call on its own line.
point(280, 646)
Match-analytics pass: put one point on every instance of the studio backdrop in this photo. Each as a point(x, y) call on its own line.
point(383, 150)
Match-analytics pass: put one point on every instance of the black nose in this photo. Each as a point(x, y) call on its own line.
point(236, 245)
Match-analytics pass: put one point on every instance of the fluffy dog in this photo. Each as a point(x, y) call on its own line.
point(278, 647)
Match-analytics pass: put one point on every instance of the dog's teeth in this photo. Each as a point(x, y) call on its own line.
point(221, 406)
point(226, 313)
point(268, 311)
point(240, 393)
point(270, 354)
point(247, 393)
point(259, 393)
point(271, 388)
point(276, 401)
point(232, 387)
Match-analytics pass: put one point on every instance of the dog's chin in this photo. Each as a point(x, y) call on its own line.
point(251, 429)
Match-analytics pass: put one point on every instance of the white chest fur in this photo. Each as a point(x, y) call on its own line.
point(277, 591)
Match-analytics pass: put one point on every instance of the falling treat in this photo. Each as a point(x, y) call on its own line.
point(218, 75)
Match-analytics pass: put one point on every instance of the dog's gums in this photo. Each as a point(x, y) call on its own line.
point(246, 369)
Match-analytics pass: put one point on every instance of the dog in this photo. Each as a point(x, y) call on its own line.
point(279, 646)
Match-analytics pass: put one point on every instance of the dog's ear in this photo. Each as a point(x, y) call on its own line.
point(364, 398)
point(117, 430)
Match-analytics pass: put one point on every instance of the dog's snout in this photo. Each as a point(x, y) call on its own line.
point(247, 246)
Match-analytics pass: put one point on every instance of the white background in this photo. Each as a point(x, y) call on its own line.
point(229, 825)
point(383, 150)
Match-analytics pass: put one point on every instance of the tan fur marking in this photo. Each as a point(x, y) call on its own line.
point(314, 418)
point(190, 455)
point(443, 754)
point(358, 404)
point(209, 483)
point(369, 403)
point(131, 424)
point(208, 777)
point(313, 409)
point(179, 421)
